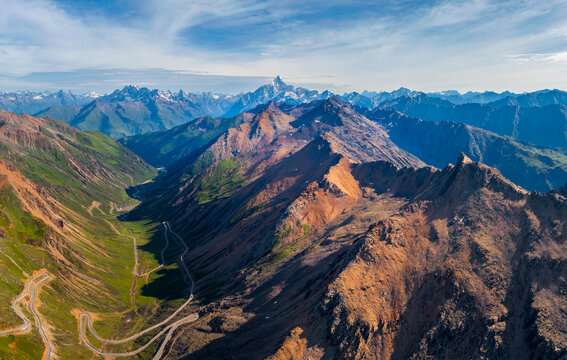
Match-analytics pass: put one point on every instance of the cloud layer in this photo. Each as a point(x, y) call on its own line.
point(376, 45)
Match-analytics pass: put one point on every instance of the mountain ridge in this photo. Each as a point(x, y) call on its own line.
point(118, 113)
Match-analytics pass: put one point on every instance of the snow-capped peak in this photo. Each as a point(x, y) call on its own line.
point(278, 83)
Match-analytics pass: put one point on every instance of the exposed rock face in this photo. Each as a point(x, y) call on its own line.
point(321, 242)
point(458, 262)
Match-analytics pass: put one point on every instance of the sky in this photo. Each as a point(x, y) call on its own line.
point(236, 45)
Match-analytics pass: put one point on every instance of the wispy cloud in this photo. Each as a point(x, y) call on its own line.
point(560, 57)
point(362, 44)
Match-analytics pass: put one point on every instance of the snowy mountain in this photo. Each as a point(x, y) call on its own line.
point(30, 102)
point(133, 110)
point(278, 91)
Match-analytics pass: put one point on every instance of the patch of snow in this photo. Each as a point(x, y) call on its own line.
point(290, 95)
point(93, 95)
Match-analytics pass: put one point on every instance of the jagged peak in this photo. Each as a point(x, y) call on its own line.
point(468, 176)
point(333, 104)
point(130, 88)
point(277, 82)
point(273, 118)
point(269, 110)
point(463, 159)
point(330, 111)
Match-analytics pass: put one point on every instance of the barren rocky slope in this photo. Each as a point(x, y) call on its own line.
point(317, 237)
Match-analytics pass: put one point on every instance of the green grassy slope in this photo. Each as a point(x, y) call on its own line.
point(50, 170)
point(162, 148)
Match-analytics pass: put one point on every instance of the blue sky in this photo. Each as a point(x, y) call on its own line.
point(235, 45)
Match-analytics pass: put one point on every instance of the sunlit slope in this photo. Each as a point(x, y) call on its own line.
point(58, 186)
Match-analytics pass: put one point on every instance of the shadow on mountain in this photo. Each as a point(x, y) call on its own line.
point(169, 284)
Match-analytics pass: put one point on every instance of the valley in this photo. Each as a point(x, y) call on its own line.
point(283, 180)
point(308, 230)
point(56, 233)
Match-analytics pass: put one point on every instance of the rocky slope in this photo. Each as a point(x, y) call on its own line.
point(316, 237)
point(395, 264)
point(457, 262)
point(333, 258)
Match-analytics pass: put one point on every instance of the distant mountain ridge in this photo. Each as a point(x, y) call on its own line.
point(279, 91)
point(133, 110)
point(540, 119)
point(30, 102)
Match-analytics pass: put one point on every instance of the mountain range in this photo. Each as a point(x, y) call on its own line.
point(318, 235)
point(436, 143)
point(29, 102)
point(132, 110)
point(540, 119)
point(284, 224)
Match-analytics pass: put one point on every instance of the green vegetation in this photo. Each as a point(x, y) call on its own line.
point(219, 180)
point(76, 168)
point(306, 230)
point(279, 254)
point(281, 234)
point(162, 148)
point(17, 224)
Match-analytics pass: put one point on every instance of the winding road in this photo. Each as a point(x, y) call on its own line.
point(135, 271)
point(31, 289)
point(169, 329)
point(48, 348)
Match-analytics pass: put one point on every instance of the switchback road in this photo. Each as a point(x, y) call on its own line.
point(170, 328)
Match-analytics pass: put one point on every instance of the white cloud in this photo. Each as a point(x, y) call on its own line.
point(452, 44)
point(455, 12)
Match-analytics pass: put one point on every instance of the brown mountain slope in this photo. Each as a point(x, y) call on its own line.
point(472, 258)
point(308, 238)
point(352, 134)
point(272, 134)
point(395, 264)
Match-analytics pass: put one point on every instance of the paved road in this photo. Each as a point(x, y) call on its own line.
point(48, 348)
point(31, 283)
point(31, 287)
point(135, 271)
point(169, 329)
